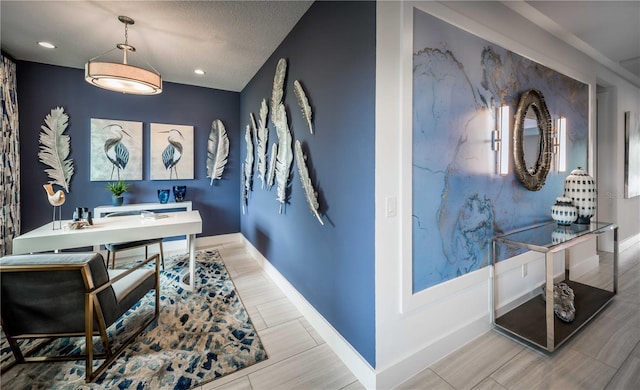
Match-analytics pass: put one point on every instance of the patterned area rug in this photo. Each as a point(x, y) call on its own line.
point(199, 336)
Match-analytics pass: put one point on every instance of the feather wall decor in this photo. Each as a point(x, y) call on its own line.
point(277, 92)
point(285, 155)
point(54, 148)
point(309, 192)
point(271, 173)
point(217, 150)
point(262, 139)
point(303, 102)
point(248, 165)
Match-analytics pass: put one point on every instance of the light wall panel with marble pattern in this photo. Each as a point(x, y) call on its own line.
point(458, 200)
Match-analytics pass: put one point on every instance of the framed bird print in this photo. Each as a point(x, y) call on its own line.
point(116, 150)
point(171, 156)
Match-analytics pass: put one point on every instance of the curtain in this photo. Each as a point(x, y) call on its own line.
point(10, 163)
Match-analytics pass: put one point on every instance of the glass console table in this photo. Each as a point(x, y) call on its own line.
point(534, 321)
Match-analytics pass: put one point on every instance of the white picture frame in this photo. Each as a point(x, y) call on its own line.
point(171, 152)
point(116, 150)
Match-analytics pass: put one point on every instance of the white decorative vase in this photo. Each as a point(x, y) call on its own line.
point(563, 211)
point(581, 188)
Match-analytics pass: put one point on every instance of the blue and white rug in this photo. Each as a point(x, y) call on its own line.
point(199, 336)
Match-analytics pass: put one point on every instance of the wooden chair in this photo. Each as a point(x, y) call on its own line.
point(114, 248)
point(52, 295)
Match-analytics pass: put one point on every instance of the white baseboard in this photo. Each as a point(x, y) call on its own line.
point(408, 367)
point(349, 356)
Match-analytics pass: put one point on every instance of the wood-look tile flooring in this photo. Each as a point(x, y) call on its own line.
point(604, 355)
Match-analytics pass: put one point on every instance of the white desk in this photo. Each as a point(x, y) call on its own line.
point(101, 211)
point(114, 229)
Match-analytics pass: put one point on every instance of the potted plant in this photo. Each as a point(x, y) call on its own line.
point(117, 189)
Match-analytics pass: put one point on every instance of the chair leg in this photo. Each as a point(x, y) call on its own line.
point(108, 255)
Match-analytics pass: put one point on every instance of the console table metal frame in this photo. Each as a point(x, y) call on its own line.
point(524, 321)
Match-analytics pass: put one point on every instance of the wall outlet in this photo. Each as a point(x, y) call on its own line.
point(524, 270)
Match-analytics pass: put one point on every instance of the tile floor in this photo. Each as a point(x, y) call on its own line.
point(605, 355)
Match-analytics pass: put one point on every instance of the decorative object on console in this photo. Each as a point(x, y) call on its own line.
point(163, 196)
point(563, 298)
point(581, 188)
point(309, 192)
point(562, 234)
point(117, 189)
point(54, 148)
point(563, 211)
point(217, 150)
point(532, 171)
point(123, 77)
point(262, 137)
point(303, 102)
point(56, 199)
point(179, 193)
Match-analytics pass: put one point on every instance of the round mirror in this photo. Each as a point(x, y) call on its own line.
point(531, 136)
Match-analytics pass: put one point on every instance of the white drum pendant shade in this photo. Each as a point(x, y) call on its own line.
point(581, 188)
point(123, 78)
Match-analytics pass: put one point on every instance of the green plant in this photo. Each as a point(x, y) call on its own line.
point(117, 188)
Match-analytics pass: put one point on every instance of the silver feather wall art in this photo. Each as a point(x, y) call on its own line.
point(277, 93)
point(262, 137)
point(271, 172)
point(309, 192)
point(303, 102)
point(55, 149)
point(285, 155)
point(217, 150)
point(247, 171)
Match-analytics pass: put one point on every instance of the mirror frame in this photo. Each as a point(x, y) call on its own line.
point(532, 181)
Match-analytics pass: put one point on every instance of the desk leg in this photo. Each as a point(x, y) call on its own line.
point(192, 261)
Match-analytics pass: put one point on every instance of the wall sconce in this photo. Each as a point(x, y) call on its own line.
point(500, 139)
point(560, 144)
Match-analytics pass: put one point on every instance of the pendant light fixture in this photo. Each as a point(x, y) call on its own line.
point(122, 77)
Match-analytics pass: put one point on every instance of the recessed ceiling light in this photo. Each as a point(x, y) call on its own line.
point(47, 45)
point(199, 71)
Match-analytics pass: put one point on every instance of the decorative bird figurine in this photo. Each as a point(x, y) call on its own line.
point(115, 150)
point(55, 198)
point(173, 152)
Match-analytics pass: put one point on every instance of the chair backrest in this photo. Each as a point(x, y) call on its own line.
point(45, 293)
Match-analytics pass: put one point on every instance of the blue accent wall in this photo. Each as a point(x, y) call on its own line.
point(332, 52)
point(43, 87)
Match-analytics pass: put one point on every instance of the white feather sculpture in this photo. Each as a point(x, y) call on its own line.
point(285, 155)
point(309, 192)
point(248, 164)
point(217, 150)
point(271, 173)
point(303, 102)
point(54, 148)
point(278, 86)
point(263, 139)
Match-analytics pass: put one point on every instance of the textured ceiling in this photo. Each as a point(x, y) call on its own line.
point(231, 40)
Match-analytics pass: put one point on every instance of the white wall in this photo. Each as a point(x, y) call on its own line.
point(414, 331)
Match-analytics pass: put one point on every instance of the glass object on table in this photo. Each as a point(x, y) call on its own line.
point(163, 196)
